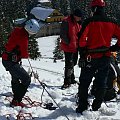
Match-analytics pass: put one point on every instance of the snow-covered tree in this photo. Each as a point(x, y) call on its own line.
point(112, 7)
point(34, 49)
point(58, 54)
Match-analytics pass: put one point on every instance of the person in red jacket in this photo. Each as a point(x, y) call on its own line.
point(15, 49)
point(69, 44)
point(94, 47)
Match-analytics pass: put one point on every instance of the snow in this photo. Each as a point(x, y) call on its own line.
point(51, 74)
point(44, 0)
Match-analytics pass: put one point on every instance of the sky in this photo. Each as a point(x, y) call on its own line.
point(51, 76)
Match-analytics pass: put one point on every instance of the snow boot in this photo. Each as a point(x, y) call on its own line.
point(99, 98)
point(15, 103)
point(64, 86)
point(110, 94)
point(19, 90)
point(82, 99)
point(67, 82)
point(73, 82)
point(96, 104)
point(82, 107)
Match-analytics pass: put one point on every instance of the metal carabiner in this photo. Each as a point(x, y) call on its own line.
point(88, 58)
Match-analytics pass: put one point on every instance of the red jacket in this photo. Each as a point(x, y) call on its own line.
point(69, 32)
point(18, 37)
point(97, 32)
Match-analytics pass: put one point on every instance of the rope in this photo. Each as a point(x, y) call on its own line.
point(32, 103)
point(23, 116)
point(43, 85)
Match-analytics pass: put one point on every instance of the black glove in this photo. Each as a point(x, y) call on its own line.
point(82, 51)
point(82, 59)
point(114, 48)
point(82, 62)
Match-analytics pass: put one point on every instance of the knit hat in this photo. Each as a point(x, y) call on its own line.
point(77, 12)
point(100, 3)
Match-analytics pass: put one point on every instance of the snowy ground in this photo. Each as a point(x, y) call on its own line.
point(51, 74)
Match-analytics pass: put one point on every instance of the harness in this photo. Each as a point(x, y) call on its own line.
point(13, 55)
point(99, 50)
point(102, 50)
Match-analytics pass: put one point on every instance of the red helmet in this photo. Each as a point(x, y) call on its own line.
point(100, 3)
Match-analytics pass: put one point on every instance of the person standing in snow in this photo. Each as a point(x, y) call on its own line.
point(112, 79)
point(15, 49)
point(69, 44)
point(95, 51)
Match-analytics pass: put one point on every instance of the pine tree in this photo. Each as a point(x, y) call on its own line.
point(58, 54)
point(55, 4)
point(112, 7)
point(64, 6)
point(33, 49)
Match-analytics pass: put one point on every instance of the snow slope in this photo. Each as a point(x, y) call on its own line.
point(51, 74)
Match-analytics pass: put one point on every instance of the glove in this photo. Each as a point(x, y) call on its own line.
point(81, 62)
point(82, 51)
point(82, 59)
point(114, 48)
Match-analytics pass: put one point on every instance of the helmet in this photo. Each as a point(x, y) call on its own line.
point(100, 3)
point(32, 26)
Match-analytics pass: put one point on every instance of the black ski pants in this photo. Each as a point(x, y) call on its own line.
point(101, 65)
point(20, 79)
point(70, 62)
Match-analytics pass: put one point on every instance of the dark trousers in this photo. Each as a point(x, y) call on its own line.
point(70, 62)
point(111, 77)
point(20, 79)
point(101, 65)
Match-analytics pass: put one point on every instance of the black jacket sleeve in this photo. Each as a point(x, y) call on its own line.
point(64, 32)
